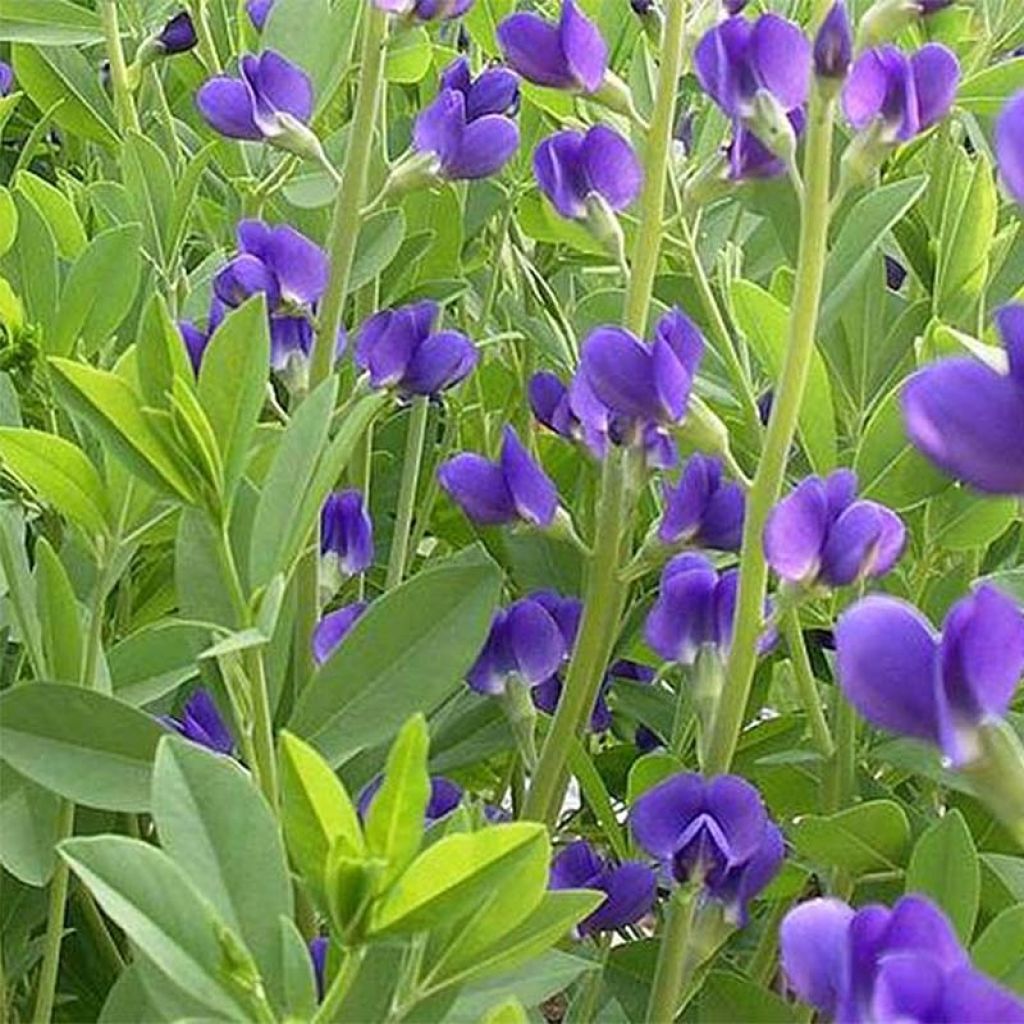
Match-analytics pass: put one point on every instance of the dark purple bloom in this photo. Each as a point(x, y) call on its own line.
point(271, 101)
point(903, 677)
point(549, 400)
point(833, 45)
point(877, 964)
point(572, 167)
point(445, 796)
point(703, 509)
point(566, 611)
point(525, 640)
point(6, 78)
point(195, 342)
point(968, 418)
point(895, 273)
point(318, 955)
point(821, 534)
point(570, 55)
point(202, 723)
point(258, 11)
point(646, 739)
point(178, 35)
point(1009, 144)
point(468, 127)
point(494, 493)
point(734, 6)
point(629, 888)
point(715, 831)
point(547, 695)
point(346, 532)
point(904, 95)
point(750, 159)
point(333, 628)
point(402, 349)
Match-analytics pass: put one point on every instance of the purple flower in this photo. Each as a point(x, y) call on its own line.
point(750, 159)
point(525, 640)
point(968, 418)
point(547, 695)
point(1009, 144)
point(877, 964)
point(570, 55)
point(713, 831)
point(445, 796)
point(272, 101)
point(401, 348)
point(195, 342)
point(318, 956)
point(820, 534)
point(495, 493)
point(6, 78)
point(902, 95)
point(549, 400)
point(931, 6)
point(202, 723)
point(734, 6)
point(346, 532)
point(573, 168)
point(833, 45)
point(468, 128)
point(630, 888)
point(333, 628)
point(258, 11)
point(177, 36)
point(425, 10)
point(703, 509)
point(903, 677)
point(895, 273)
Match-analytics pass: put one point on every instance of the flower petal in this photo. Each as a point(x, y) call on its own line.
point(611, 167)
point(438, 128)
point(478, 488)
point(681, 620)
point(332, 629)
point(795, 531)
point(631, 889)
point(533, 493)
point(576, 866)
point(558, 167)
point(441, 361)
point(1009, 143)
point(781, 54)
point(226, 105)
point(737, 807)
point(812, 941)
point(486, 145)
point(619, 372)
point(533, 48)
point(586, 53)
point(535, 641)
point(659, 817)
point(300, 265)
point(865, 90)
point(284, 85)
point(495, 91)
point(936, 77)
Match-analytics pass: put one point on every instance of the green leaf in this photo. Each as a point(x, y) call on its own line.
point(445, 882)
point(944, 865)
point(765, 322)
point(409, 56)
point(871, 836)
point(48, 23)
point(960, 519)
point(233, 382)
point(509, 1012)
point(986, 92)
point(29, 827)
point(394, 822)
point(482, 20)
point(647, 771)
point(8, 220)
point(99, 291)
point(63, 643)
point(113, 410)
point(150, 182)
point(726, 997)
point(21, 587)
point(160, 355)
point(375, 680)
point(60, 473)
point(32, 263)
point(58, 211)
point(999, 952)
point(149, 896)
point(317, 811)
point(299, 981)
point(84, 745)
point(155, 660)
point(380, 238)
point(221, 833)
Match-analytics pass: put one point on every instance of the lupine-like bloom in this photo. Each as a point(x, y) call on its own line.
point(876, 964)
point(346, 532)
point(272, 101)
point(968, 418)
point(468, 127)
point(574, 169)
point(525, 640)
point(901, 95)
point(178, 35)
point(750, 159)
point(445, 796)
point(833, 45)
point(570, 55)
point(714, 831)
point(514, 488)
point(703, 509)
point(202, 723)
point(821, 534)
point(549, 401)
point(903, 677)
point(547, 695)
point(258, 11)
point(333, 628)
point(629, 888)
point(401, 348)
point(6, 78)
point(1009, 140)
point(318, 955)
point(425, 10)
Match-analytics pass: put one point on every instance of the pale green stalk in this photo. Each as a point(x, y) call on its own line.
point(805, 684)
point(414, 441)
point(674, 964)
point(124, 101)
point(764, 491)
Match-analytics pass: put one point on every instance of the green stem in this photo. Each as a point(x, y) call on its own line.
point(47, 985)
point(670, 972)
point(124, 101)
point(327, 1012)
point(805, 684)
point(764, 491)
point(206, 46)
point(414, 440)
point(263, 725)
point(839, 778)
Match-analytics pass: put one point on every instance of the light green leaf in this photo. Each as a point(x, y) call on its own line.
point(872, 836)
point(63, 642)
point(999, 952)
point(150, 182)
point(48, 23)
point(155, 660)
point(380, 238)
point(8, 220)
point(409, 56)
point(32, 264)
point(160, 354)
point(29, 827)
point(58, 211)
point(987, 91)
point(961, 520)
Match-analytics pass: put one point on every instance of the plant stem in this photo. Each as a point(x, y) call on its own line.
point(124, 102)
point(206, 47)
point(605, 594)
point(764, 491)
point(263, 725)
point(671, 969)
point(339, 987)
point(47, 985)
point(839, 778)
point(805, 683)
point(414, 440)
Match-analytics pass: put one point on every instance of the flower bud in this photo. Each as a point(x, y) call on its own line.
point(884, 19)
point(833, 45)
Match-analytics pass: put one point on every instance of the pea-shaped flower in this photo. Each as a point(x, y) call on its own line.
point(514, 488)
point(333, 628)
point(346, 533)
point(630, 888)
point(714, 832)
point(822, 535)
point(1009, 146)
point(877, 964)
point(968, 418)
point(547, 695)
point(177, 36)
point(258, 11)
point(401, 348)
point(549, 401)
point(568, 55)
point(903, 677)
point(703, 509)
point(202, 723)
